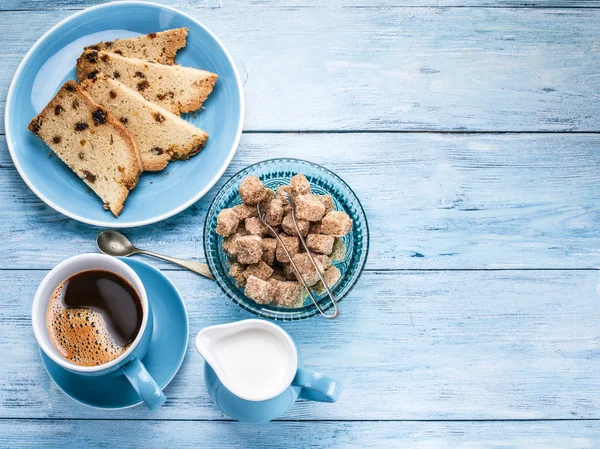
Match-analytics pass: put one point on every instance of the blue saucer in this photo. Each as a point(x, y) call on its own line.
point(51, 62)
point(165, 356)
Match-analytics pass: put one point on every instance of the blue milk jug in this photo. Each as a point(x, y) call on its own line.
point(252, 374)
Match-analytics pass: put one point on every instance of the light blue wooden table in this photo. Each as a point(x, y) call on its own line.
point(471, 131)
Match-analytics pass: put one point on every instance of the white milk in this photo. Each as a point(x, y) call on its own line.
point(255, 363)
point(254, 359)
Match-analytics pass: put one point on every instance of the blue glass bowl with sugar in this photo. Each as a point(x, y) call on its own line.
point(274, 173)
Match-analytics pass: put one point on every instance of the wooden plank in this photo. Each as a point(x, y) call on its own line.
point(21, 5)
point(443, 201)
point(447, 435)
point(408, 345)
point(455, 69)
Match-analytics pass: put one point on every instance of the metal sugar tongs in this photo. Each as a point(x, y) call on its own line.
point(290, 200)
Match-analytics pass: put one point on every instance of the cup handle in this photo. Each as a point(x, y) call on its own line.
point(144, 384)
point(316, 386)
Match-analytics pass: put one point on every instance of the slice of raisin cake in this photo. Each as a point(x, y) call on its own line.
point(160, 135)
point(176, 88)
point(154, 47)
point(92, 143)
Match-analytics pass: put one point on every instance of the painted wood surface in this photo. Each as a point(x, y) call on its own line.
point(499, 352)
point(408, 345)
point(226, 435)
point(27, 5)
point(433, 201)
point(396, 68)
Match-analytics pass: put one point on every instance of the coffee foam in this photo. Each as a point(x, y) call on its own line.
point(80, 334)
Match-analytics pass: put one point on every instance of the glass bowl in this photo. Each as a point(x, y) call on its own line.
point(273, 173)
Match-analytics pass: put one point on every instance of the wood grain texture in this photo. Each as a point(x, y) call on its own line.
point(226, 435)
point(437, 346)
point(24, 5)
point(433, 201)
point(454, 69)
point(408, 345)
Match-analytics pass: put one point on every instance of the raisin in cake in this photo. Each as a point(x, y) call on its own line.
point(160, 135)
point(92, 143)
point(155, 47)
point(176, 88)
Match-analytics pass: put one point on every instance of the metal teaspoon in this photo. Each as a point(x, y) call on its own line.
point(114, 243)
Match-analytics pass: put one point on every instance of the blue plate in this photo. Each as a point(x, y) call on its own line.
point(165, 356)
point(273, 173)
point(51, 62)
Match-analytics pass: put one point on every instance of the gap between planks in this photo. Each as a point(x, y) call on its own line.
point(404, 131)
point(388, 131)
point(306, 420)
point(375, 270)
point(382, 7)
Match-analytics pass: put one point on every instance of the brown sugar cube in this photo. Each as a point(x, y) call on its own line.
point(266, 201)
point(241, 229)
point(273, 287)
point(274, 284)
point(300, 185)
point(320, 243)
point(236, 271)
point(252, 190)
point(229, 243)
point(227, 222)
point(307, 269)
point(288, 271)
point(332, 275)
point(269, 196)
point(339, 249)
point(315, 227)
point(258, 290)
point(278, 195)
point(255, 227)
point(325, 260)
point(291, 295)
point(279, 192)
point(291, 243)
point(336, 223)
point(327, 201)
point(308, 207)
point(287, 224)
point(274, 212)
point(248, 249)
point(278, 274)
point(260, 270)
point(287, 294)
point(269, 247)
point(244, 211)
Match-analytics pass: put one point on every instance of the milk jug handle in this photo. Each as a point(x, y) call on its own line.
point(316, 386)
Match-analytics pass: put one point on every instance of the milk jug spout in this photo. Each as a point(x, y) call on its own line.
point(207, 339)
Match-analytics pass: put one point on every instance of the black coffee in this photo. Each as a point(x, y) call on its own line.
point(93, 317)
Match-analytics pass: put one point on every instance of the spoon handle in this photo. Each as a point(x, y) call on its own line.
point(196, 267)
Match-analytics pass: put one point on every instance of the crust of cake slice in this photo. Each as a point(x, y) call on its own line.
point(160, 135)
point(159, 47)
point(176, 88)
point(92, 143)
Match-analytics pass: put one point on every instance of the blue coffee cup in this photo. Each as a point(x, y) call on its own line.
point(296, 383)
point(130, 362)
